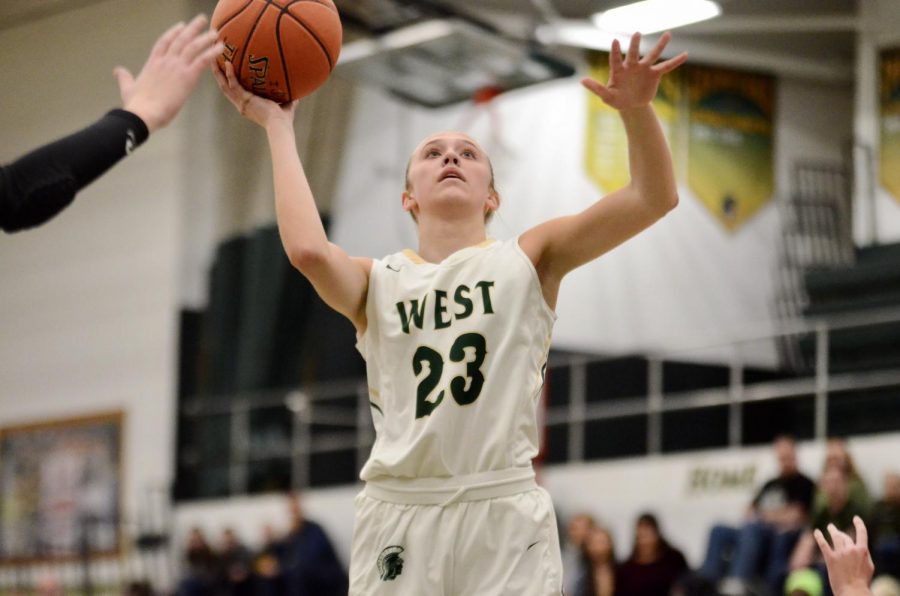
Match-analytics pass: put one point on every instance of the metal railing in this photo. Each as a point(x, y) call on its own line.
point(351, 427)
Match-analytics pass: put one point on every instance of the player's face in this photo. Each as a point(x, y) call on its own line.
point(449, 170)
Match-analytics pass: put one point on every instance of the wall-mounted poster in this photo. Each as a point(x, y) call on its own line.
point(730, 154)
point(890, 122)
point(606, 146)
point(60, 485)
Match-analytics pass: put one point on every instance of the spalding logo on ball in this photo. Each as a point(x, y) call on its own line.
point(281, 49)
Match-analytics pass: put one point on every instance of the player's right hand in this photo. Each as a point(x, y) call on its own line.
point(260, 110)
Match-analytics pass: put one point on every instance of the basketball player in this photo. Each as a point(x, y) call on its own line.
point(455, 337)
point(42, 183)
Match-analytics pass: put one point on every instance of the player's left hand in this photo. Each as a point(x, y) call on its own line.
point(633, 80)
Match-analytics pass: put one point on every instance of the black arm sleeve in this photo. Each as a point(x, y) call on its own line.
point(42, 183)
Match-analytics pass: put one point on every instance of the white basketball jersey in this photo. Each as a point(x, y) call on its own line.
point(455, 355)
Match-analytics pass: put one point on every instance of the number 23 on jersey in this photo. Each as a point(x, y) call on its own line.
point(464, 389)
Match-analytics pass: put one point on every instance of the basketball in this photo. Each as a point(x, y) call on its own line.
point(281, 49)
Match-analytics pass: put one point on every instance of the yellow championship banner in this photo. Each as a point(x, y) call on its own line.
point(730, 154)
point(606, 146)
point(890, 122)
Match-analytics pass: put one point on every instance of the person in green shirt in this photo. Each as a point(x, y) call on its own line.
point(839, 511)
point(837, 454)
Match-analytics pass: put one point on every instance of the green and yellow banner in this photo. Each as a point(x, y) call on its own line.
point(890, 122)
point(606, 146)
point(724, 118)
point(730, 145)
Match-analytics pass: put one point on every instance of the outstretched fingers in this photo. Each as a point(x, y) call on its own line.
point(670, 64)
point(862, 534)
point(597, 88)
point(634, 50)
point(199, 44)
point(840, 540)
point(188, 33)
point(654, 54)
point(165, 40)
point(827, 552)
point(208, 56)
point(615, 57)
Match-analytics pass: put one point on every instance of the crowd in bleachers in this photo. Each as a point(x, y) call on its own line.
point(773, 551)
point(301, 562)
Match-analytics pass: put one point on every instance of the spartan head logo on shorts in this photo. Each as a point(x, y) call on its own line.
point(390, 565)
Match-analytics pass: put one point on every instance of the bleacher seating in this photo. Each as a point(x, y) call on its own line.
point(871, 283)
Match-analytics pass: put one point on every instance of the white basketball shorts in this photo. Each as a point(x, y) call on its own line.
point(491, 534)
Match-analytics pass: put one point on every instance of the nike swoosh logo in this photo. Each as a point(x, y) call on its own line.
point(530, 545)
point(130, 141)
point(392, 269)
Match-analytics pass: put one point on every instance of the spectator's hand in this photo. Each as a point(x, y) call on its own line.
point(257, 109)
point(170, 73)
point(633, 81)
point(849, 563)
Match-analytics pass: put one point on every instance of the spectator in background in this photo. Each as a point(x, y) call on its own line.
point(573, 551)
point(839, 510)
point(267, 565)
point(885, 585)
point(48, 584)
point(885, 528)
point(201, 566)
point(836, 454)
point(693, 584)
point(804, 582)
point(598, 577)
point(654, 565)
point(235, 564)
point(774, 521)
point(309, 563)
point(139, 588)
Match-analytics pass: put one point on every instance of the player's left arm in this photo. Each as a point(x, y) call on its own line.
point(562, 244)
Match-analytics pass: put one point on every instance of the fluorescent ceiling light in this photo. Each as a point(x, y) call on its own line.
point(651, 16)
point(437, 63)
point(580, 34)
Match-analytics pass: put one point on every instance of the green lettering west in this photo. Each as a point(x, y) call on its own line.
point(486, 296)
point(461, 297)
point(440, 310)
point(416, 313)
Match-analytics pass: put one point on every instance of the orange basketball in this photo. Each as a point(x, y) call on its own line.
point(281, 49)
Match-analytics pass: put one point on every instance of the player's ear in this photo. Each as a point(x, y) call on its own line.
point(493, 201)
point(408, 201)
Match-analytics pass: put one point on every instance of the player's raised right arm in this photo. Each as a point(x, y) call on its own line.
point(340, 280)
